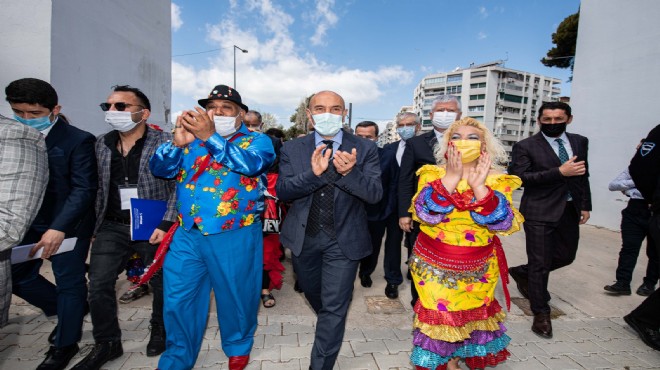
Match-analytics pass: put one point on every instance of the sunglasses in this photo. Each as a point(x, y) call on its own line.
point(120, 106)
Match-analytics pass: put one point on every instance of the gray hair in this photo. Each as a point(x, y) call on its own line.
point(403, 115)
point(446, 99)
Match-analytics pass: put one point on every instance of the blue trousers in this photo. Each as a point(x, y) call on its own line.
point(67, 299)
point(231, 264)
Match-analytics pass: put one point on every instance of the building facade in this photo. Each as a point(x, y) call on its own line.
point(504, 99)
point(83, 48)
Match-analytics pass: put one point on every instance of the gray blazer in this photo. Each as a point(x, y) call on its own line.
point(149, 186)
point(297, 183)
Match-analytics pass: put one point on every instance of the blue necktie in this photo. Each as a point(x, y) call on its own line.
point(563, 154)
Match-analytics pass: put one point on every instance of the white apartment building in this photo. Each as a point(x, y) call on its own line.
point(504, 99)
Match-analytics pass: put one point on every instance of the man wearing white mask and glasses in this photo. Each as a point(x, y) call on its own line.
point(328, 176)
point(217, 163)
point(123, 162)
point(419, 151)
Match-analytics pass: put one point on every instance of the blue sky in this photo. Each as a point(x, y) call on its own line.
point(372, 52)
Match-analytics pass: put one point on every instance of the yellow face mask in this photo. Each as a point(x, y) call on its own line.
point(470, 149)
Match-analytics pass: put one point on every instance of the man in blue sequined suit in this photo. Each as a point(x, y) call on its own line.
point(217, 163)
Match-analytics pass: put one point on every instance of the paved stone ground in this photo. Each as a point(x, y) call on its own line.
point(589, 335)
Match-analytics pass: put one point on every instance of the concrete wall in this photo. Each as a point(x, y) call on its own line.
point(24, 44)
point(615, 91)
point(91, 46)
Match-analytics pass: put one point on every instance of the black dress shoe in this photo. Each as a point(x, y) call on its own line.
point(617, 289)
point(645, 290)
point(51, 336)
point(365, 281)
point(156, 344)
point(392, 291)
point(58, 358)
point(296, 287)
point(100, 354)
point(542, 325)
point(649, 336)
point(521, 281)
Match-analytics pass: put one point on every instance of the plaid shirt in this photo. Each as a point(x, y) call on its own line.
point(149, 186)
point(23, 180)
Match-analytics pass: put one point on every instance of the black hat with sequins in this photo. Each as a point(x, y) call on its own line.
point(224, 92)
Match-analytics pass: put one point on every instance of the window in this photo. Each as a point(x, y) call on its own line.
point(476, 108)
point(478, 85)
point(512, 98)
point(434, 80)
point(478, 74)
point(478, 97)
point(479, 118)
point(454, 89)
point(454, 78)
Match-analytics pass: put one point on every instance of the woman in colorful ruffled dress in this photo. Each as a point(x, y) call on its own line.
point(461, 204)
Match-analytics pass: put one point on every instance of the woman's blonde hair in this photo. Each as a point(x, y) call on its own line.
point(493, 145)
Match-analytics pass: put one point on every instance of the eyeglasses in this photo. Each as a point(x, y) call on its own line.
point(120, 106)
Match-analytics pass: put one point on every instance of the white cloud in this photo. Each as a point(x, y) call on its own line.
point(325, 18)
point(481, 35)
point(276, 73)
point(177, 22)
point(483, 12)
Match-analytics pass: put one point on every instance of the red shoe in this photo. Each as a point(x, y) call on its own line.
point(238, 362)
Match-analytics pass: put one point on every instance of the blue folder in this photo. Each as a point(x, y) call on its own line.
point(146, 215)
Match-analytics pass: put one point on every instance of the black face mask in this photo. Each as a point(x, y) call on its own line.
point(553, 130)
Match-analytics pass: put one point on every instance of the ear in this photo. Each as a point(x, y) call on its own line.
point(570, 119)
point(309, 116)
point(56, 110)
point(146, 113)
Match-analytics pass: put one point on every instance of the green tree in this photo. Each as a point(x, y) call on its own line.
point(270, 121)
point(292, 132)
point(299, 118)
point(565, 39)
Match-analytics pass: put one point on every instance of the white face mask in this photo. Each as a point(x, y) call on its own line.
point(327, 124)
point(225, 125)
point(442, 120)
point(120, 121)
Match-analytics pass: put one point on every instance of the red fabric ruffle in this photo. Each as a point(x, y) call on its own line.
point(456, 318)
point(478, 362)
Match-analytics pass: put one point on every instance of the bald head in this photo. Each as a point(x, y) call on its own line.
point(324, 96)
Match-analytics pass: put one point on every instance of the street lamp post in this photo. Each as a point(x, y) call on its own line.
point(244, 51)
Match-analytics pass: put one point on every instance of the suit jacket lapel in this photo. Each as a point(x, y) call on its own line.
point(55, 133)
point(431, 139)
point(547, 150)
point(575, 145)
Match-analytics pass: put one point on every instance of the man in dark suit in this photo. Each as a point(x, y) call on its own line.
point(445, 109)
point(382, 216)
point(553, 167)
point(328, 176)
point(66, 212)
point(645, 172)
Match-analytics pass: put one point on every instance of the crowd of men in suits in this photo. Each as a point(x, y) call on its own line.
point(337, 185)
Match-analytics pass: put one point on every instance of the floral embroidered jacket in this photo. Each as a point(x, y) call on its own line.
point(218, 181)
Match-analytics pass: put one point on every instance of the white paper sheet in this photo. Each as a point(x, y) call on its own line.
point(21, 253)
